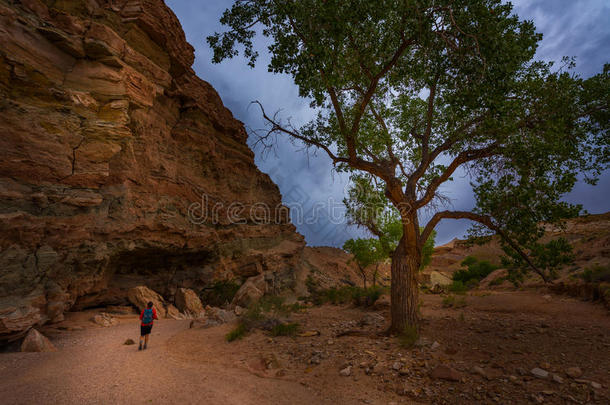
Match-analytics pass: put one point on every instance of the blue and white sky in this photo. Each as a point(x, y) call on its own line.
point(579, 28)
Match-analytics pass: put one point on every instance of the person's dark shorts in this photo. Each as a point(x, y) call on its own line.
point(145, 330)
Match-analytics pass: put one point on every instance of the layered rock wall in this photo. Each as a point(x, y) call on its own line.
point(107, 137)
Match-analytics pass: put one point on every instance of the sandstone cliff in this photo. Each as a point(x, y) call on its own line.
point(107, 138)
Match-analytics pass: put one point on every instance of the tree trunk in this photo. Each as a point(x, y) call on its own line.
point(363, 274)
point(406, 260)
point(375, 274)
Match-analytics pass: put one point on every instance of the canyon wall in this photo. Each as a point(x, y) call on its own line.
point(111, 152)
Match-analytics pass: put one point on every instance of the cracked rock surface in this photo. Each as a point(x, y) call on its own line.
point(108, 140)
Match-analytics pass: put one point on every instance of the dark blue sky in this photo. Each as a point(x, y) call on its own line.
point(579, 28)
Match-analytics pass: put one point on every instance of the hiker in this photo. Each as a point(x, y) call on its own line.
point(147, 317)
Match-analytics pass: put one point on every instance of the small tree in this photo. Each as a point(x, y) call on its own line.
point(367, 207)
point(366, 253)
point(409, 91)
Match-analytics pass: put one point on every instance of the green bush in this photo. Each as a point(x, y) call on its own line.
point(296, 307)
point(596, 274)
point(285, 329)
point(475, 271)
point(261, 314)
point(270, 303)
point(311, 284)
point(408, 337)
point(367, 297)
point(219, 293)
point(469, 260)
point(337, 296)
point(238, 333)
point(457, 287)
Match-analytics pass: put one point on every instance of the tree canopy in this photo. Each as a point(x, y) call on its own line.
point(411, 91)
point(366, 251)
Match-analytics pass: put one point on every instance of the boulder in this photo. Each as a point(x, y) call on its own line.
point(140, 296)
point(36, 342)
point(219, 316)
point(251, 291)
point(189, 303)
point(18, 315)
point(104, 319)
point(438, 278)
point(173, 313)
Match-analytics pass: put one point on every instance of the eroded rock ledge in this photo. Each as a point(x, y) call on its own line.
point(107, 138)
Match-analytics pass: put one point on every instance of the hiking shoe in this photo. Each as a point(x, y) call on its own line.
point(140, 347)
point(144, 346)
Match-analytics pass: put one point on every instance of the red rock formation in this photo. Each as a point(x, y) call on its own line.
point(108, 137)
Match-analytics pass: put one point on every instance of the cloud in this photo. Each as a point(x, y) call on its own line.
point(569, 28)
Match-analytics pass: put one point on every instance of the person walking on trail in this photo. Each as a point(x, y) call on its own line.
point(147, 318)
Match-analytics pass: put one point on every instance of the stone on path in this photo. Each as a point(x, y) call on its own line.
point(574, 372)
point(346, 372)
point(557, 379)
point(444, 372)
point(479, 370)
point(36, 342)
point(539, 373)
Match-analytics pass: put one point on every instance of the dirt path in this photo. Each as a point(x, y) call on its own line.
point(492, 343)
point(93, 366)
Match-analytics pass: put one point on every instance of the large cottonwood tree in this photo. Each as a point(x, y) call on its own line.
point(411, 91)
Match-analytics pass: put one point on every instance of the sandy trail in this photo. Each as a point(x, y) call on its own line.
point(505, 333)
point(94, 367)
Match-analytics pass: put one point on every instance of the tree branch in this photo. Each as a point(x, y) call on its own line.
point(366, 98)
point(425, 140)
point(463, 157)
point(484, 220)
point(356, 163)
point(277, 127)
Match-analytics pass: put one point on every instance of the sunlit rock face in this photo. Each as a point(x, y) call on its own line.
point(107, 138)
